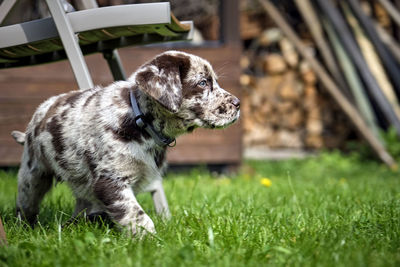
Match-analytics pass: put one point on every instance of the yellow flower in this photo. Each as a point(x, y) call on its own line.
point(266, 182)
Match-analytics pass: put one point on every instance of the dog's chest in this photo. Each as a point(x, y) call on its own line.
point(144, 164)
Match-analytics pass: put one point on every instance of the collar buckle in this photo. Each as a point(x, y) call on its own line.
point(139, 121)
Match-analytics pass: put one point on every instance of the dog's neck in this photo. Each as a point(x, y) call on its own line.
point(162, 121)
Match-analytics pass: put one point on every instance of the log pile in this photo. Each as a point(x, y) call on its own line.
point(283, 106)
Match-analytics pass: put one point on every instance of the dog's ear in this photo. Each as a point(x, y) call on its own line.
point(162, 79)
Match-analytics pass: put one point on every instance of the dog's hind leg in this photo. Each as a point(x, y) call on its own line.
point(33, 184)
point(159, 198)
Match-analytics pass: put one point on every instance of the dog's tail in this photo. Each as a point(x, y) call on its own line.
point(19, 137)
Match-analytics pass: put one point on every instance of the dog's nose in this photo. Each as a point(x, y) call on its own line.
point(236, 102)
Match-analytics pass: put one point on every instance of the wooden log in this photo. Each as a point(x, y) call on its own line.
point(389, 64)
point(3, 238)
point(330, 85)
point(307, 74)
point(389, 41)
point(250, 25)
point(352, 49)
point(391, 10)
point(287, 138)
point(274, 64)
point(309, 15)
point(353, 80)
point(314, 141)
point(270, 36)
point(289, 53)
point(290, 88)
point(293, 119)
point(372, 59)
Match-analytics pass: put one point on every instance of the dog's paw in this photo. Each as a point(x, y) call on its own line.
point(143, 226)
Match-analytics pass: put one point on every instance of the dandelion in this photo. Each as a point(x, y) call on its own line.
point(266, 182)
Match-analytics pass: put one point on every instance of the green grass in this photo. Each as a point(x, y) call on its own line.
point(325, 211)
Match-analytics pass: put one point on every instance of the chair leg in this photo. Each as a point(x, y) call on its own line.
point(3, 238)
point(115, 64)
point(71, 45)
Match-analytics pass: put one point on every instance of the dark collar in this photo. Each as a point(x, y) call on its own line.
point(141, 123)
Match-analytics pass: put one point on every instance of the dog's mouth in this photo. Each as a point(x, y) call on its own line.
point(225, 125)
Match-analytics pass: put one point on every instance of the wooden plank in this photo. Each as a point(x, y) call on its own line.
point(131, 57)
point(194, 154)
point(10, 153)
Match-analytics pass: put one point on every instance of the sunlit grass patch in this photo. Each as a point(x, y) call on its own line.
point(327, 211)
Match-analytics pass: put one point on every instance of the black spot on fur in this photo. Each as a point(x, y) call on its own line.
point(91, 162)
point(145, 75)
point(125, 96)
point(174, 69)
point(37, 130)
point(117, 212)
point(55, 129)
point(30, 149)
point(50, 112)
point(207, 71)
point(108, 190)
point(170, 62)
point(198, 110)
point(189, 91)
point(73, 97)
point(64, 114)
point(159, 157)
point(128, 131)
point(222, 109)
point(90, 98)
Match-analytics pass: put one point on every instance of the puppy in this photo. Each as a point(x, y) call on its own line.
point(109, 143)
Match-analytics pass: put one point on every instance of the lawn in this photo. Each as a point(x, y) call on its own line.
point(325, 211)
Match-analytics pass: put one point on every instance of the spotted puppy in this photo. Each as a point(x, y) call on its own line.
point(110, 143)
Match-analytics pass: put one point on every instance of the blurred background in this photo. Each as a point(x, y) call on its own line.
point(288, 110)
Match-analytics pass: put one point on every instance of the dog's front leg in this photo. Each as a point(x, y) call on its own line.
point(121, 205)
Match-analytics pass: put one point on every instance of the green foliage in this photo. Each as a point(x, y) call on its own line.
point(329, 210)
point(392, 142)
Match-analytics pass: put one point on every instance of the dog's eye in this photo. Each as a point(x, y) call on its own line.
point(203, 83)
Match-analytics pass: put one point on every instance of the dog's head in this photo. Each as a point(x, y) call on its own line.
point(186, 86)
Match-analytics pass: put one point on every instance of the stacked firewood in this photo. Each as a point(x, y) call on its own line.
point(283, 106)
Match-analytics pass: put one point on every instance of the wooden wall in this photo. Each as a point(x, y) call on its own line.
point(23, 89)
